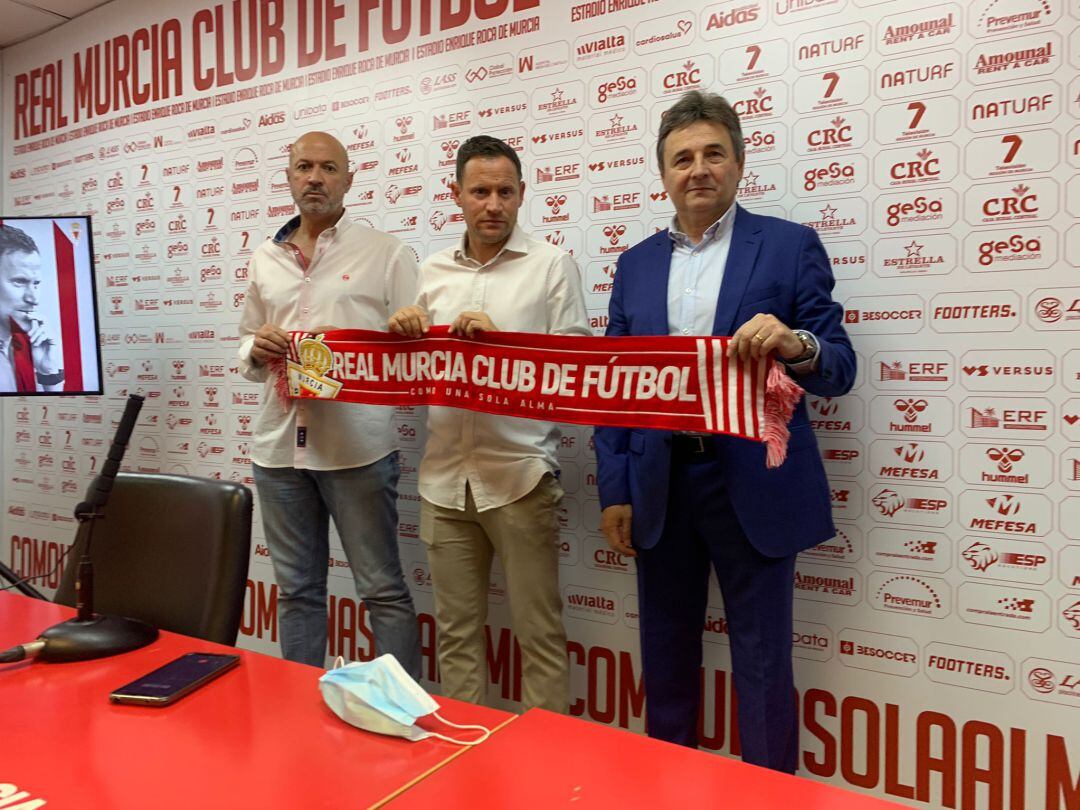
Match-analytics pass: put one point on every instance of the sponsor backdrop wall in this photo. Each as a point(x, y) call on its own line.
point(933, 146)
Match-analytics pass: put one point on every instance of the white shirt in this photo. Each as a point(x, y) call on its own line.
point(697, 271)
point(530, 286)
point(357, 278)
point(7, 367)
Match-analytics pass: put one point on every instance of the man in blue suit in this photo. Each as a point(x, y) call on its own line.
point(679, 502)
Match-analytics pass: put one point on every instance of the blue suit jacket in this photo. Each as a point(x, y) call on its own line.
point(774, 266)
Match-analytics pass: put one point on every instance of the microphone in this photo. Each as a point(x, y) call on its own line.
point(21, 651)
point(90, 635)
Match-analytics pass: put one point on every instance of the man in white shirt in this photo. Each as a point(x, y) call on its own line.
point(313, 459)
point(488, 483)
point(30, 358)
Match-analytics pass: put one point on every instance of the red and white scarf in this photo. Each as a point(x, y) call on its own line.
point(665, 382)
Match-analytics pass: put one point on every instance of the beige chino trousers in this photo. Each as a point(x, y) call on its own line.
point(460, 547)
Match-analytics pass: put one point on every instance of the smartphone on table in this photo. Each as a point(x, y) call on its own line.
point(177, 678)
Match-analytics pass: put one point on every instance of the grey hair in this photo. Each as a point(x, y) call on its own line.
point(696, 106)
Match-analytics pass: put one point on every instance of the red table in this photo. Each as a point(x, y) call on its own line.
point(546, 760)
point(259, 736)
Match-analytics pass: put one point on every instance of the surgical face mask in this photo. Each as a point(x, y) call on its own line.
point(380, 696)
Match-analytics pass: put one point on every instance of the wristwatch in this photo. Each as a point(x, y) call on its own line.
point(810, 347)
point(51, 379)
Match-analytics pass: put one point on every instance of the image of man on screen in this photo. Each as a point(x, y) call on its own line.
point(30, 356)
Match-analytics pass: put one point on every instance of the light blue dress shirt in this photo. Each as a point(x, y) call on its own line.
point(696, 274)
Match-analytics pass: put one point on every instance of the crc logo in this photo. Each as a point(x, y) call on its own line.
point(910, 408)
point(1005, 457)
point(760, 103)
point(688, 76)
point(925, 167)
point(837, 135)
point(1018, 204)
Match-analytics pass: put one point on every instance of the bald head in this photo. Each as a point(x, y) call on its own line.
point(319, 175)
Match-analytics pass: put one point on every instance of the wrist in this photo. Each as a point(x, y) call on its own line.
point(50, 379)
point(809, 348)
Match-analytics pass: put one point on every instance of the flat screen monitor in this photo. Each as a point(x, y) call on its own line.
point(49, 331)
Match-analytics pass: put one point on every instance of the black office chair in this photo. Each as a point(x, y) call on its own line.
point(173, 551)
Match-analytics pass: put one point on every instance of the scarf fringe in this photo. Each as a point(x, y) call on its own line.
point(782, 394)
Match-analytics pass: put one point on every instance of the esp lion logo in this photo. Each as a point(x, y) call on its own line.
point(980, 555)
point(1072, 615)
point(888, 502)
